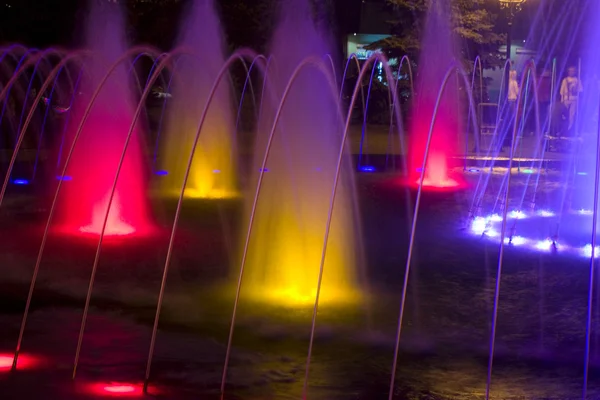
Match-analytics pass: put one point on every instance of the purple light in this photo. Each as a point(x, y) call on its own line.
point(517, 214)
point(64, 178)
point(545, 244)
point(479, 225)
point(491, 233)
point(516, 240)
point(367, 168)
point(495, 218)
point(162, 172)
point(546, 213)
point(587, 251)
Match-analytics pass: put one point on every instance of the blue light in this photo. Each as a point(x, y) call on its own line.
point(582, 173)
point(64, 178)
point(20, 182)
point(265, 170)
point(367, 168)
point(216, 171)
point(473, 170)
point(162, 172)
point(528, 171)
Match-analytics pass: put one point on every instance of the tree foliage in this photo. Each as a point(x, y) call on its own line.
point(473, 21)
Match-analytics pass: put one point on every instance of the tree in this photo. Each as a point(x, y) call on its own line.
point(473, 21)
point(248, 23)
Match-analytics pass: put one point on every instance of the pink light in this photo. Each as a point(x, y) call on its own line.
point(25, 362)
point(115, 389)
point(99, 150)
point(120, 389)
point(446, 128)
point(5, 362)
point(115, 226)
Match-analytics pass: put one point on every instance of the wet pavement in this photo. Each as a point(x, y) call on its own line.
point(540, 338)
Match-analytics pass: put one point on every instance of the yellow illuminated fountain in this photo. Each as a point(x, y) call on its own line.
point(212, 174)
point(288, 233)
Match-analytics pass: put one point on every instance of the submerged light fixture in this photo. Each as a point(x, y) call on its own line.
point(115, 390)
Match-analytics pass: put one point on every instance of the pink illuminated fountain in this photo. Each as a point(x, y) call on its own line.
point(437, 53)
point(92, 169)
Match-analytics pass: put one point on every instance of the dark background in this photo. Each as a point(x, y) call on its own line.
point(43, 23)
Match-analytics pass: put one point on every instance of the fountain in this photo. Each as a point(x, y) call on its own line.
point(87, 194)
point(438, 52)
point(438, 321)
point(212, 174)
point(286, 244)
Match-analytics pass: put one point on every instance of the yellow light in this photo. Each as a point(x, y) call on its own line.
point(287, 242)
point(207, 193)
point(212, 173)
point(295, 296)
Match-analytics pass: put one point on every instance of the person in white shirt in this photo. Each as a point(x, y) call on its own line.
point(569, 94)
point(511, 111)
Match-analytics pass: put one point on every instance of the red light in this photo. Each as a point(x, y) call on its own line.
point(25, 362)
point(5, 362)
point(115, 225)
point(447, 132)
point(445, 183)
point(97, 154)
point(115, 390)
point(436, 174)
point(120, 389)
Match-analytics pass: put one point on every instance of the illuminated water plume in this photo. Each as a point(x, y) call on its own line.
point(96, 155)
point(287, 239)
point(437, 53)
point(191, 86)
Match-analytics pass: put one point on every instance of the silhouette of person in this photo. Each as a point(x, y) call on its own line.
point(569, 94)
point(511, 110)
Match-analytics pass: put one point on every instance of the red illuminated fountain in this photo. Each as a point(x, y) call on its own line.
point(88, 183)
point(437, 54)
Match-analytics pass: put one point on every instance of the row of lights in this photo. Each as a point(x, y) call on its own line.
point(162, 172)
point(482, 226)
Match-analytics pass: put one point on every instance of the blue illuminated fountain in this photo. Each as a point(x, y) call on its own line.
point(563, 220)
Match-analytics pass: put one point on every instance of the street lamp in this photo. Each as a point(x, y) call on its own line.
point(513, 7)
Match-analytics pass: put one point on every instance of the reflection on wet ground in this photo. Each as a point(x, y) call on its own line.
point(539, 349)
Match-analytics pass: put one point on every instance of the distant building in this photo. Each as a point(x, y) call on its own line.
point(373, 27)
